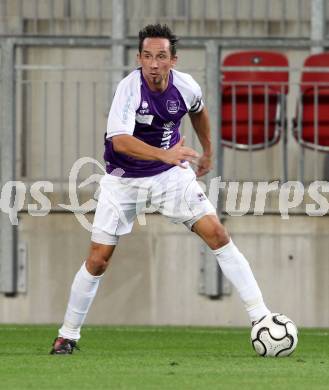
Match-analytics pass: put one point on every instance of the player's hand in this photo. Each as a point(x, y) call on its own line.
point(179, 153)
point(204, 165)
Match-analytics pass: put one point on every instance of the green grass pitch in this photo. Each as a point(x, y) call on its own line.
point(158, 358)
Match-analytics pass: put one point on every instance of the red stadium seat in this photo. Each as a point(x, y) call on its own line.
point(311, 126)
point(253, 101)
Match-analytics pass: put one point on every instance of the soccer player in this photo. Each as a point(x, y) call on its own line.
point(147, 163)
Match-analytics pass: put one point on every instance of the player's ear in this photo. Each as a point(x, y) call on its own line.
point(138, 58)
point(174, 60)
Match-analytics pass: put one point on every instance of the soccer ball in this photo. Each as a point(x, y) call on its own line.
point(274, 335)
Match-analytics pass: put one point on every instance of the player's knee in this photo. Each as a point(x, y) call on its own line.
point(98, 260)
point(97, 264)
point(219, 237)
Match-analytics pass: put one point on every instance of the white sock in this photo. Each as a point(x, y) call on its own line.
point(237, 270)
point(83, 291)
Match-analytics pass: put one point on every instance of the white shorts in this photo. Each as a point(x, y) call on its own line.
point(174, 193)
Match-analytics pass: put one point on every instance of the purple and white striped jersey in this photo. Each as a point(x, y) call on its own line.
point(152, 117)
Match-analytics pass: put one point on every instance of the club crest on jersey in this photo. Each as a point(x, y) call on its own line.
point(173, 106)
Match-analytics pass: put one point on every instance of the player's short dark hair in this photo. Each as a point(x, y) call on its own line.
point(158, 31)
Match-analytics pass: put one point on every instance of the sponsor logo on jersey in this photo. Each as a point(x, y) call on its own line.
point(168, 125)
point(166, 136)
point(173, 106)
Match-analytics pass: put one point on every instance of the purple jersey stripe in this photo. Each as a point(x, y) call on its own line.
point(157, 122)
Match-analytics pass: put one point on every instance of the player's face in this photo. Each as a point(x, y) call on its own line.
point(156, 62)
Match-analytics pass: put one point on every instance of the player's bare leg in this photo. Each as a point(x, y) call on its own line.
point(233, 264)
point(83, 291)
point(211, 231)
point(99, 258)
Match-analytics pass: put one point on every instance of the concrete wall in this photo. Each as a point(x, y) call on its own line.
point(154, 274)
point(257, 18)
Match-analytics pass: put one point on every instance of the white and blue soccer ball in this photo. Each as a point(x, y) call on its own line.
point(274, 335)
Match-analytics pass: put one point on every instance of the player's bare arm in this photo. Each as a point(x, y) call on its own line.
point(134, 147)
point(201, 125)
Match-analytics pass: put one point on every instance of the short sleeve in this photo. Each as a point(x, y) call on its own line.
point(121, 119)
point(190, 91)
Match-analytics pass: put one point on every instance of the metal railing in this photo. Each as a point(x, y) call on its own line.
point(58, 114)
point(61, 116)
point(302, 125)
